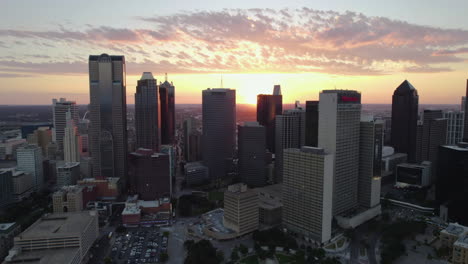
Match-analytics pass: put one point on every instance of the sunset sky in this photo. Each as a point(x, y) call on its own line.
point(305, 46)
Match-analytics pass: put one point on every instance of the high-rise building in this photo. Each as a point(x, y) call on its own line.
point(6, 187)
point(312, 116)
point(434, 134)
point(167, 101)
point(455, 126)
point(195, 150)
point(68, 199)
point(370, 162)
point(71, 141)
point(465, 130)
point(219, 129)
point(463, 103)
point(308, 192)
point(339, 133)
point(251, 153)
point(268, 107)
point(30, 161)
point(404, 119)
point(149, 174)
point(59, 110)
point(108, 109)
point(22, 183)
point(240, 209)
point(189, 129)
point(41, 137)
point(289, 133)
point(170, 150)
point(68, 173)
point(147, 115)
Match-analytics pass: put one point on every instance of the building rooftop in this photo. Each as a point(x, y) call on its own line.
point(67, 165)
point(147, 76)
point(64, 255)
point(69, 189)
point(5, 227)
point(458, 148)
point(406, 87)
point(251, 124)
point(58, 225)
point(424, 164)
point(455, 229)
point(462, 241)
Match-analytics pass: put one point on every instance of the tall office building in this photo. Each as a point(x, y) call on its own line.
point(167, 100)
point(307, 192)
point(339, 126)
point(434, 134)
point(289, 133)
point(195, 150)
point(312, 116)
point(268, 107)
point(251, 153)
point(108, 109)
point(370, 162)
point(41, 137)
point(59, 114)
point(30, 161)
point(455, 126)
point(147, 119)
point(71, 141)
point(6, 187)
point(463, 103)
point(465, 130)
point(219, 129)
point(404, 119)
point(149, 175)
point(240, 209)
point(189, 128)
point(68, 173)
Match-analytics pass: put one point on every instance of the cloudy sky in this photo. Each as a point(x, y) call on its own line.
point(306, 46)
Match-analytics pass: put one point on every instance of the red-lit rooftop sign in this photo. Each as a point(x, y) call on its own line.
point(349, 99)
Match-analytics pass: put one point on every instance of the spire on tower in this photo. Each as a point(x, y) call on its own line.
point(165, 76)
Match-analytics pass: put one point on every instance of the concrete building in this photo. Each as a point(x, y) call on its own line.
point(147, 115)
point(6, 187)
point(270, 206)
point(455, 237)
point(196, 173)
point(59, 114)
point(68, 173)
point(9, 147)
point(167, 106)
point(170, 150)
point(240, 209)
point(307, 192)
point(22, 183)
point(41, 137)
point(251, 153)
point(108, 109)
point(455, 127)
point(192, 141)
point(30, 160)
point(107, 189)
point(56, 238)
point(290, 133)
point(404, 119)
point(370, 165)
point(268, 107)
point(417, 175)
point(339, 134)
point(7, 233)
point(219, 130)
point(195, 142)
point(149, 174)
point(312, 123)
point(68, 199)
point(71, 141)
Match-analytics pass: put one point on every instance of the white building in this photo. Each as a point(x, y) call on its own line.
point(455, 126)
point(30, 160)
point(59, 114)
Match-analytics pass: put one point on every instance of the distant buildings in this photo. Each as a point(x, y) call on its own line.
point(455, 126)
point(68, 199)
point(240, 209)
point(404, 119)
point(339, 133)
point(219, 130)
point(41, 137)
point(108, 110)
point(312, 123)
point(149, 174)
point(147, 115)
point(30, 161)
point(167, 106)
point(56, 238)
point(60, 108)
point(268, 107)
point(308, 192)
point(251, 153)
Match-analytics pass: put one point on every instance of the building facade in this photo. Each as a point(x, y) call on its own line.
point(71, 141)
point(68, 173)
point(268, 107)
point(60, 108)
point(68, 199)
point(6, 187)
point(251, 154)
point(147, 114)
point(455, 126)
point(167, 101)
point(30, 161)
point(312, 117)
point(240, 209)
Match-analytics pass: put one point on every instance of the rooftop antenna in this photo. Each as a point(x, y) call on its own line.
point(165, 76)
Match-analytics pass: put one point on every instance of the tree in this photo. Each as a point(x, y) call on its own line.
point(164, 257)
point(220, 256)
point(243, 249)
point(107, 260)
point(202, 252)
point(234, 255)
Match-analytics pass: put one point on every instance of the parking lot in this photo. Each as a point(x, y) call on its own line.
point(139, 245)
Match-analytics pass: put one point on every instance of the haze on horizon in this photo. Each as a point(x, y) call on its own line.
point(305, 46)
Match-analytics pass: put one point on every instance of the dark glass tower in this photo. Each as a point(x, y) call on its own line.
point(311, 135)
point(251, 146)
point(405, 119)
point(465, 131)
point(147, 121)
point(268, 107)
point(108, 109)
point(167, 101)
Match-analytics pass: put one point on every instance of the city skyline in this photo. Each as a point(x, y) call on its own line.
point(250, 49)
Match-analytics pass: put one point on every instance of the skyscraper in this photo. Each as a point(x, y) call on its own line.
point(59, 114)
point(147, 119)
point(269, 106)
point(307, 192)
point(251, 153)
point(108, 109)
point(339, 126)
point(434, 134)
point(71, 141)
point(219, 129)
point(455, 126)
point(312, 116)
point(404, 119)
point(289, 133)
point(370, 162)
point(189, 128)
point(6, 187)
point(30, 160)
point(41, 137)
point(167, 100)
point(465, 130)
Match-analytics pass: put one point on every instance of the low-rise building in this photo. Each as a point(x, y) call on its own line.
point(240, 209)
point(104, 189)
point(139, 212)
point(460, 250)
point(417, 175)
point(7, 232)
point(455, 237)
point(22, 183)
point(270, 206)
point(68, 199)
